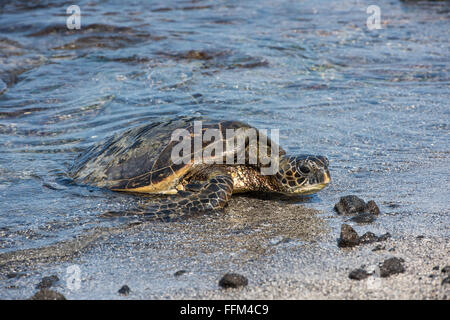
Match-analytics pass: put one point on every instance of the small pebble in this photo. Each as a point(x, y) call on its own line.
point(446, 281)
point(368, 237)
point(125, 290)
point(372, 208)
point(446, 269)
point(179, 273)
point(391, 266)
point(384, 237)
point(47, 294)
point(349, 237)
point(233, 280)
point(379, 247)
point(393, 205)
point(358, 274)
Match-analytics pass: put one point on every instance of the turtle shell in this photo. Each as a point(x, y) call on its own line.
point(139, 159)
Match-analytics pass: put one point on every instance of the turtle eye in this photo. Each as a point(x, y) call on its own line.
point(304, 169)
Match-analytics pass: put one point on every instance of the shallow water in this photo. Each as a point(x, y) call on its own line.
point(374, 102)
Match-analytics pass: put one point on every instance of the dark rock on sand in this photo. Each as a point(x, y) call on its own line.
point(446, 281)
point(349, 237)
point(368, 237)
point(391, 266)
point(446, 269)
point(350, 205)
point(125, 290)
point(179, 273)
point(393, 205)
point(47, 282)
point(358, 274)
point(363, 217)
point(47, 294)
point(384, 237)
point(372, 208)
point(379, 247)
point(233, 280)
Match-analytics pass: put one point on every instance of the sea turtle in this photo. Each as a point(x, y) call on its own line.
point(142, 160)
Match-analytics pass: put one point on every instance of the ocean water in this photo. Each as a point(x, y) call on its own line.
point(375, 102)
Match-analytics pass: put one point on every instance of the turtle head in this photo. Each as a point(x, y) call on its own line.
point(303, 174)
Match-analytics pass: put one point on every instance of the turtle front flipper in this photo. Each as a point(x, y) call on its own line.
point(212, 195)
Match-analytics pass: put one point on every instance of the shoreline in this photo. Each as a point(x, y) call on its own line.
point(285, 250)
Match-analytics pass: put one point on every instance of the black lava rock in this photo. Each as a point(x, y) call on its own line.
point(233, 280)
point(393, 205)
point(372, 208)
point(47, 282)
point(446, 269)
point(384, 237)
point(349, 237)
point(391, 266)
point(379, 247)
point(368, 237)
point(47, 294)
point(363, 217)
point(125, 290)
point(179, 273)
point(358, 274)
point(350, 205)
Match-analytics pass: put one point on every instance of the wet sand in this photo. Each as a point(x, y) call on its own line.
point(375, 102)
point(285, 250)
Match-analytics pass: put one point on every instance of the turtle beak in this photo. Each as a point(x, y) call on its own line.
point(326, 177)
point(318, 187)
